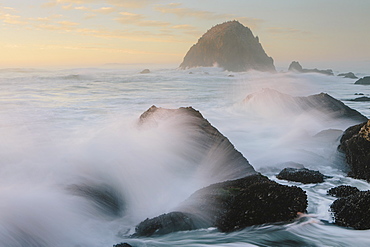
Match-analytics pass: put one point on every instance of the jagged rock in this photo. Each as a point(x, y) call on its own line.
point(302, 175)
point(348, 75)
point(343, 191)
point(353, 211)
point(231, 46)
point(216, 155)
point(355, 143)
point(323, 104)
point(145, 71)
point(361, 99)
point(363, 81)
point(230, 206)
point(296, 67)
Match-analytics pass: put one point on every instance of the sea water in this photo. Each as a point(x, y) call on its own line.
point(78, 127)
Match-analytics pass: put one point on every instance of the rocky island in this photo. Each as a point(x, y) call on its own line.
point(231, 46)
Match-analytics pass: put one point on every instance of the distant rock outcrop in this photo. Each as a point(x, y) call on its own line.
point(361, 99)
point(296, 67)
point(355, 143)
point(349, 75)
point(230, 206)
point(145, 71)
point(231, 46)
point(323, 104)
point(363, 81)
point(302, 175)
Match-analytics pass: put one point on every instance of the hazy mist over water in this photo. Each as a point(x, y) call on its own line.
point(71, 127)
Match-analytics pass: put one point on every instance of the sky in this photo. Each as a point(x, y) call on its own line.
point(75, 33)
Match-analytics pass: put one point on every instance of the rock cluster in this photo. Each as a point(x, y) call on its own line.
point(355, 143)
point(349, 75)
point(231, 46)
point(296, 67)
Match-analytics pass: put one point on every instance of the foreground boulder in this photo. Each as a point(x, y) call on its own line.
point(343, 191)
point(323, 105)
point(348, 75)
point(363, 81)
point(296, 67)
point(353, 211)
point(230, 206)
point(231, 46)
point(355, 143)
point(302, 175)
point(216, 158)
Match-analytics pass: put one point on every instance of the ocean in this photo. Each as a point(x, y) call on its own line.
point(72, 127)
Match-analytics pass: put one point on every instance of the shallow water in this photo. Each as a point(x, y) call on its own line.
point(78, 127)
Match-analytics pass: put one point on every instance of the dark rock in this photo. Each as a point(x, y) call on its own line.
point(361, 99)
point(296, 67)
point(363, 81)
point(348, 75)
point(322, 103)
point(122, 245)
point(215, 154)
point(231, 46)
point(302, 175)
point(167, 223)
point(232, 205)
point(359, 94)
point(145, 71)
point(355, 143)
point(353, 211)
point(104, 197)
point(343, 191)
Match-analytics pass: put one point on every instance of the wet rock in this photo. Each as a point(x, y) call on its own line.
point(166, 223)
point(363, 81)
point(355, 143)
point(231, 46)
point(348, 75)
point(232, 205)
point(217, 158)
point(343, 191)
point(353, 211)
point(145, 71)
point(302, 175)
point(296, 67)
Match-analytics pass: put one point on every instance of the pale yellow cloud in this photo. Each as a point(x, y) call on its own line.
point(139, 20)
point(184, 27)
point(121, 3)
point(105, 10)
point(285, 30)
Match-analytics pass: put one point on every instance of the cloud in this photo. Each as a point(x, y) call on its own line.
point(184, 27)
point(176, 9)
point(120, 3)
point(139, 20)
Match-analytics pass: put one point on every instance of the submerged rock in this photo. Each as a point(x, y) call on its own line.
point(122, 245)
point(231, 46)
point(296, 67)
point(363, 81)
point(323, 104)
point(348, 75)
point(216, 157)
point(353, 211)
point(343, 191)
point(355, 143)
point(230, 206)
point(302, 175)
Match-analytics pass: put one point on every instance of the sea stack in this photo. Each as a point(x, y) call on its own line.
point(229, 45)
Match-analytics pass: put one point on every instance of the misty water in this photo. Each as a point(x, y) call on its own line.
point(64, 129)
